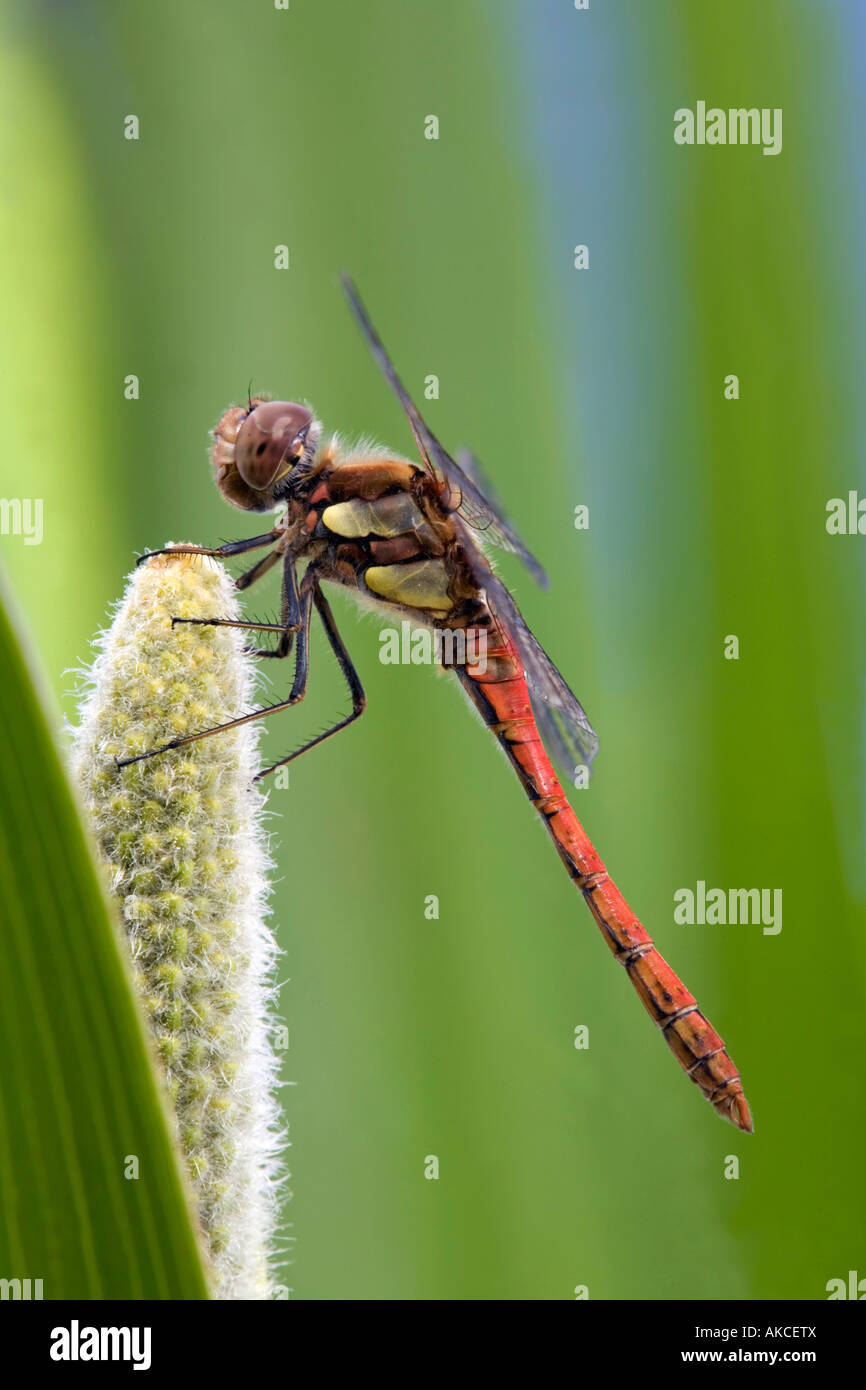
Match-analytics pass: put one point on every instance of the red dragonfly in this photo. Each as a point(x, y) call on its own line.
point(409, 539)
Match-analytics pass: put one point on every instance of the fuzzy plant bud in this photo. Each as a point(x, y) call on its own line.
point(181, 836)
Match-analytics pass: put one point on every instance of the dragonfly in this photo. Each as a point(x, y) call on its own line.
point(412, 539)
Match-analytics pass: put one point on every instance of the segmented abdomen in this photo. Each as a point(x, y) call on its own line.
point(499, 692)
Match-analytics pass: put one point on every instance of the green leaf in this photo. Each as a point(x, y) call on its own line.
point(79, 1099)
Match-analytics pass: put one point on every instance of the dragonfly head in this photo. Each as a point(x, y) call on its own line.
point(257, 448)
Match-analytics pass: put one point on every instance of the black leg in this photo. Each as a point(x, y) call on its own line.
point(286, 627)
point(261, 567)
point(309, 593)
point(353, 680)
point(220, 552)
point(291, 612)
point(231, 622)
point(298, 692)
point(299, 685)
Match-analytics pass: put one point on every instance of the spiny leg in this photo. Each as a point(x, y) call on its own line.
point(289, 622)
point(233, 622)
point(310, 592)
point(220, 552)
point(261, 567)
point(298, 685)
point(291, 614)
point(359, 699)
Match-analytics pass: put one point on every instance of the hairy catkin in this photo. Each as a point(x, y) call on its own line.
point(181, 835)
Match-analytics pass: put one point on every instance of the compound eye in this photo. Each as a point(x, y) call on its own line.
point(270, 442)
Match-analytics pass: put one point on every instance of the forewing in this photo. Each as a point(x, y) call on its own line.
point(482, 510)
point(465, 483)
point(561, 719)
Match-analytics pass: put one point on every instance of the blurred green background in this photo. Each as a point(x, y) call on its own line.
point(707, 518)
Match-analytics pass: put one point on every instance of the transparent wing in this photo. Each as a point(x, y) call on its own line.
point(481, 509)
point(465, 480)
point(562, 720)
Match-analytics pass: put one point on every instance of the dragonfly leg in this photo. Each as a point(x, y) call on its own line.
point(261, 567)
point(220, 552)
point(309, 593)
point(291, 614)
point(353, 680)
point(290, 620)
point(234, 622)
point(299, 685)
